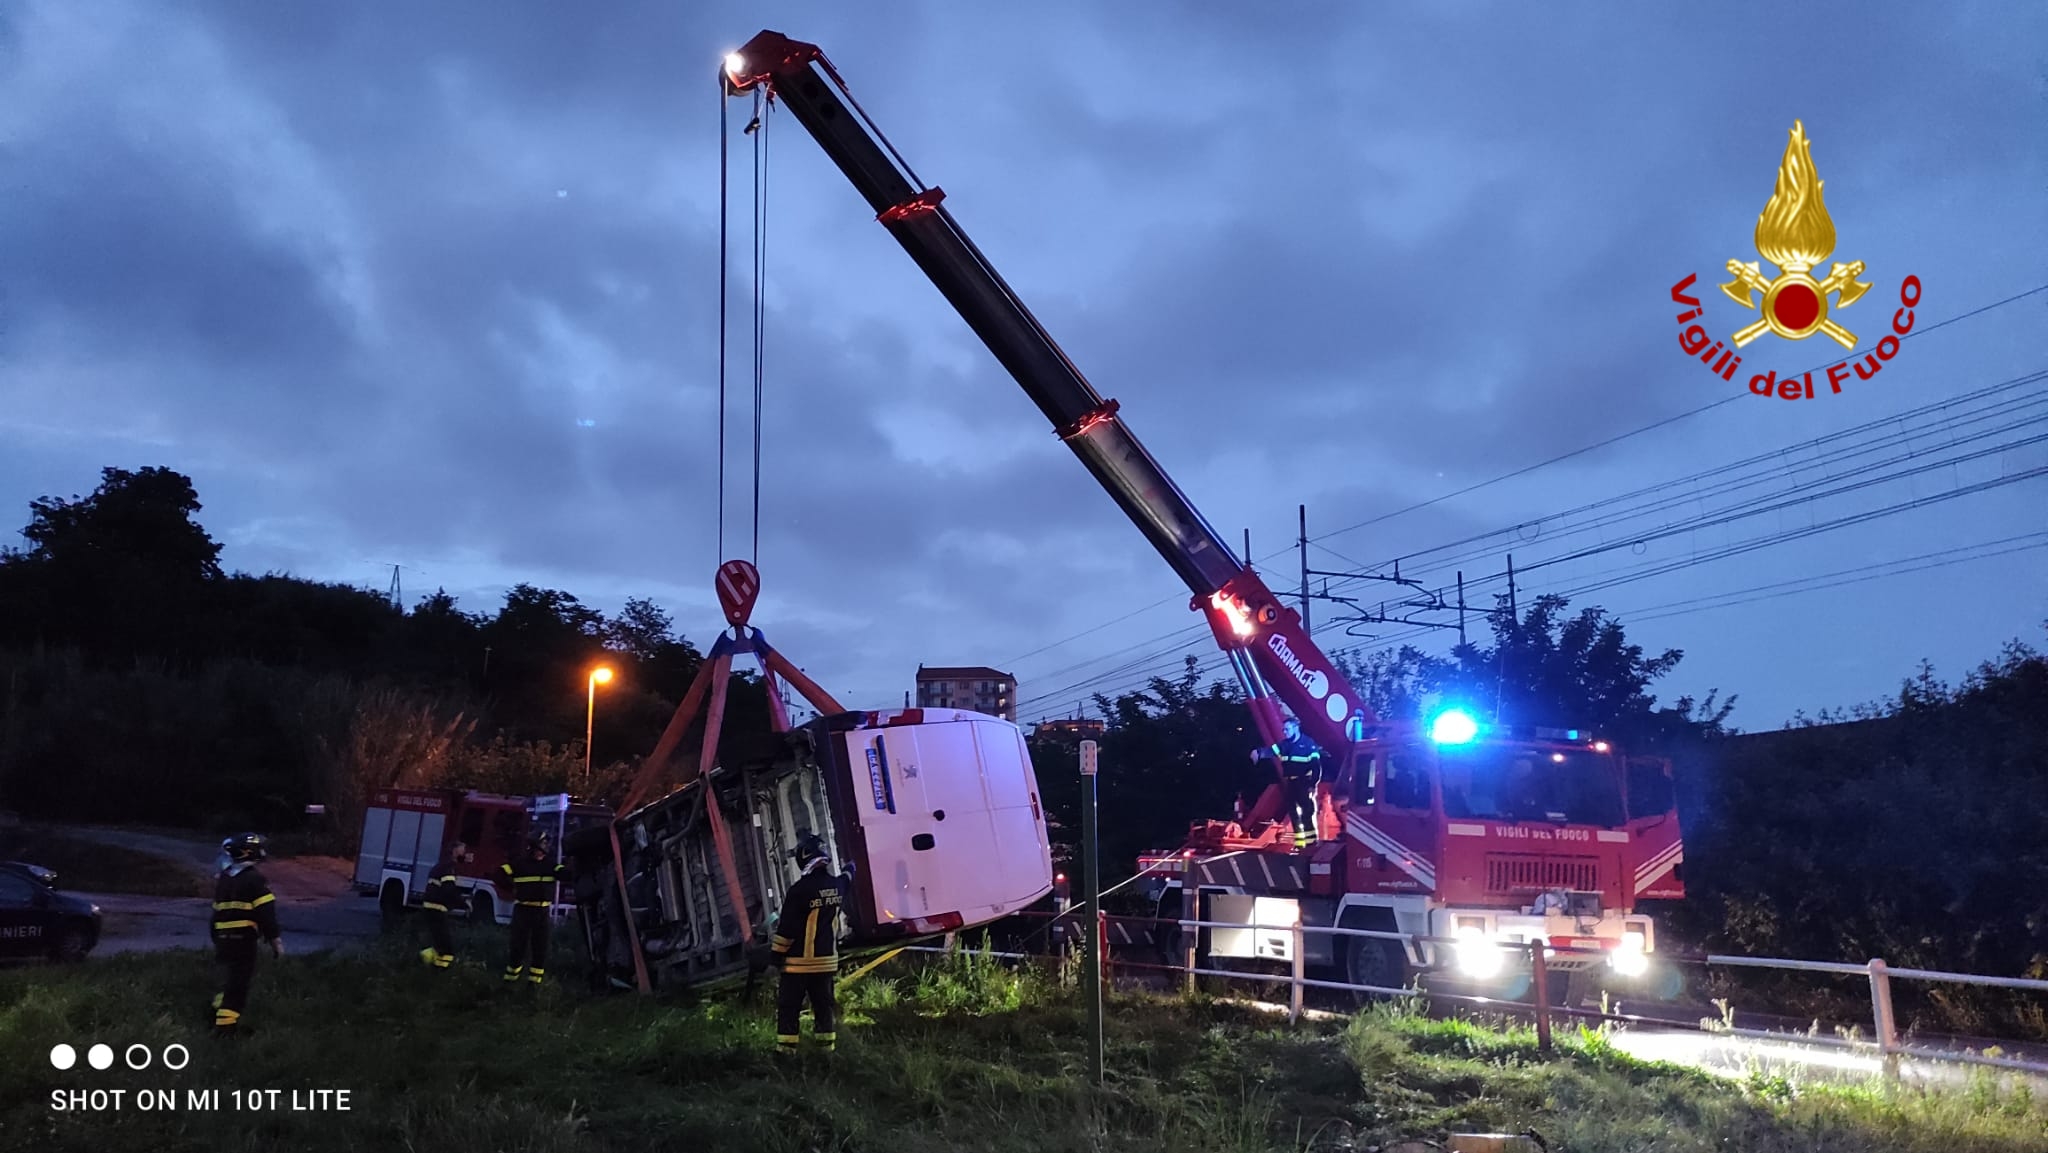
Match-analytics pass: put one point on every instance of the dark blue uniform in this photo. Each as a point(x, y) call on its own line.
point(533, 890)
point(244, 913)
point(806, 945)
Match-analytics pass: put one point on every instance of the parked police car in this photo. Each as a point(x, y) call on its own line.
point(38, 921)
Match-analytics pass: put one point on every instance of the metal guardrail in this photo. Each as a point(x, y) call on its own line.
point(1888, 1044)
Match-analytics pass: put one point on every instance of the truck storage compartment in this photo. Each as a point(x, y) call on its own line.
point(931, 815)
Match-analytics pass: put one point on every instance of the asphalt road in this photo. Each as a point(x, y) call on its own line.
point(317, 907)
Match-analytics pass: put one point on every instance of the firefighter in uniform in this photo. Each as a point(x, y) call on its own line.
point(806, 948)
point(441, 896)
point(1301, 764)
point(533, 878)
point(244, 913)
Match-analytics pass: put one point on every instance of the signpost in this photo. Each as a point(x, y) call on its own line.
point(1091, 882)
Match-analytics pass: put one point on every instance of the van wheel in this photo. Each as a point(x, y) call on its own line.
point(391, 903)
point(71, 948)
point(483, 910)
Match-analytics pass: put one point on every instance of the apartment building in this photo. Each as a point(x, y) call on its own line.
point(977, 688)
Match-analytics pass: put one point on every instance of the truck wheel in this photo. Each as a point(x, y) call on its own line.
point(391, 903)
point(483, 910)
point(71, 947)
point(1566, 990)
point(1373, 961)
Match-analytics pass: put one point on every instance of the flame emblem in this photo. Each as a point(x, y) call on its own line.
point(1795, 233)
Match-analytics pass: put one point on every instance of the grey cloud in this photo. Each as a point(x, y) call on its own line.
point(1439, 239)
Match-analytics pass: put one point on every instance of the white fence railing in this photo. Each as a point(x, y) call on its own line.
point(1887, 1044)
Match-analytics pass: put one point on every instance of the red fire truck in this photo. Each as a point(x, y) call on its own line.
point(1446, 828)
point(405, 832)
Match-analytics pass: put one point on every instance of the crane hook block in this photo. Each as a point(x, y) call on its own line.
point(738, 584)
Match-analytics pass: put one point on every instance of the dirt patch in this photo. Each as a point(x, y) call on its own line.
point(311, 879)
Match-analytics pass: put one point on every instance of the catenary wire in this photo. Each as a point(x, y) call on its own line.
point(1510, 475)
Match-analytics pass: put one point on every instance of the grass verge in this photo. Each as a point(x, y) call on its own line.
point(961, 1055)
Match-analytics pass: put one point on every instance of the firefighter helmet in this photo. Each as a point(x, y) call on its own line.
point(244, 847)
point(810, 849)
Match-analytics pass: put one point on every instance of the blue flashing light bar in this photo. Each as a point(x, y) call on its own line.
point(1453, 727)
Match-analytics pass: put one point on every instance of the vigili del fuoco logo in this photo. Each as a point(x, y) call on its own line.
point(1795, 233)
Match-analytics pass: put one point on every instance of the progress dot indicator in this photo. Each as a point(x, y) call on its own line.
point(100, 1056)
point(63, 1056)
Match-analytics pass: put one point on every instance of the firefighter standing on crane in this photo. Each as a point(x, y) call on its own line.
point(806, 948)
point(244, 912)
point(533, 876)
point(1301, 764)
point(441, 896)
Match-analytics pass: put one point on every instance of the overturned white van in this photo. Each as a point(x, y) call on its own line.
point(932, 815)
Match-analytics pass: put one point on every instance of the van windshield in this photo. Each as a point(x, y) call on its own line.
point(1529, 783)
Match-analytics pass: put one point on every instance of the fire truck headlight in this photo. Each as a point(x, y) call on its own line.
point(1477, 956)
point(1629, 959)
point(1453, 727)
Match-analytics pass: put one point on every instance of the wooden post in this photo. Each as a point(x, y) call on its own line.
point(1541, 990)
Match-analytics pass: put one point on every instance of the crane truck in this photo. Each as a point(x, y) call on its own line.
point(1471, 835)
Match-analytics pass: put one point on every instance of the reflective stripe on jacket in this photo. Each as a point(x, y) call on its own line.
point(533, 882)
point(442, 893)
point(243, 906)
point(807, 933)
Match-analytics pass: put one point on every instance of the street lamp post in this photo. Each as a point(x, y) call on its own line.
point(601, 675)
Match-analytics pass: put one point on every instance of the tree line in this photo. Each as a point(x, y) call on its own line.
point(139, 681)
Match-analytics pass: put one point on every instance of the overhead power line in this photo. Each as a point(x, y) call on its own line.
point(1905, 428)
point(1993, 405)
point(1657, 568)
point(1510, 475)
point(1690, 413)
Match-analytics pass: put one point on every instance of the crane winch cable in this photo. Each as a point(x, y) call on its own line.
point(759, 128)
point(756, 128)
point(724, 184)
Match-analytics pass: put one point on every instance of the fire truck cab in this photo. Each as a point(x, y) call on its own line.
point(1477, 836)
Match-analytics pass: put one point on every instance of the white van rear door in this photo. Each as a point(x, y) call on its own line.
point(907, 872)
point(951, 821)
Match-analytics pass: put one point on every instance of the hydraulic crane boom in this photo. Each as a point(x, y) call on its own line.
point(1262, 637)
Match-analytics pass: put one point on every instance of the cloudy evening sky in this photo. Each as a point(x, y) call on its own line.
point(436, 284)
